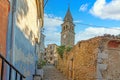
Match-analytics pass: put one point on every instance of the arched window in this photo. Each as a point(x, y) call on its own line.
point(63, 27)
point(66, 26)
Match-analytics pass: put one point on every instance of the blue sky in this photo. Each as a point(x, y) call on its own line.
point(103, 13)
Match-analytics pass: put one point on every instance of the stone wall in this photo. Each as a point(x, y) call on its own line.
point(94, 59)
point(113, 60)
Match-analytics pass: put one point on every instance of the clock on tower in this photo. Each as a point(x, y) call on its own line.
point(64, 36)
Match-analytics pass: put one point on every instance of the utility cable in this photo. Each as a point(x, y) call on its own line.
point(97, 26)
point(45, 3)
point(92, 25)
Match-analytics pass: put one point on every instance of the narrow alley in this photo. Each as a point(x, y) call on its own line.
point(51, 73)
point(59, 39)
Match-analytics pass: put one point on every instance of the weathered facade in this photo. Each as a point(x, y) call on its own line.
point(4, 12)
point(41, 46)
point(94, 59)
point(25, 23)
point(51, 55)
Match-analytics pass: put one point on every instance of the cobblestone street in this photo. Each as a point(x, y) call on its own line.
point(51, 73)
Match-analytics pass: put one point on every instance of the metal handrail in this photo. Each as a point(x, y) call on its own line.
point(10, 71)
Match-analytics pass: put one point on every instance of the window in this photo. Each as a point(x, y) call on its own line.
point(51, 58)
point(51, 53)
point(45, 53)
point(50, 47)
point(44, 58)
point(66, 26)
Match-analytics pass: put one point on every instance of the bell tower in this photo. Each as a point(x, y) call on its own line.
point(68, 34)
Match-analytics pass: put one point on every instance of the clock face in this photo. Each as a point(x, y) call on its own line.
point(64, 36)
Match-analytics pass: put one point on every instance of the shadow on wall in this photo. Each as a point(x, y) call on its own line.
point(22, 7)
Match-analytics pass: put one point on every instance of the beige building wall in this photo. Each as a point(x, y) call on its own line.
point(29, 16)
point(51, 55)
point(24, 34)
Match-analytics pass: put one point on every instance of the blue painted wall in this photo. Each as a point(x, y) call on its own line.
point(23, 56)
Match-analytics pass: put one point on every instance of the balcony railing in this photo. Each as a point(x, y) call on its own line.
point(11, 68)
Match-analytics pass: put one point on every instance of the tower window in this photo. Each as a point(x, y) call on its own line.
point(66, 26)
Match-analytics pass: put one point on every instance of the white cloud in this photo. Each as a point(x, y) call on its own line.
point(51, 20)
point(92, 32)
point(77, 21)
point(52, 28)
point(106, 10)
point(83, 7)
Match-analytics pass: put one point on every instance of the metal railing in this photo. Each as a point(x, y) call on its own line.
point(11, 68)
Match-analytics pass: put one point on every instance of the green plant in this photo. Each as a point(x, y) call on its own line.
point(61, 50)
point(68, 48)
point(40, 64)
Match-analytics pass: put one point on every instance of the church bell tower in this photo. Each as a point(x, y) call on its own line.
point(68, 34)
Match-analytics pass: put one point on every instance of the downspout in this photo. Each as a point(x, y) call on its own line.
point(10, 35)
point(13, 31)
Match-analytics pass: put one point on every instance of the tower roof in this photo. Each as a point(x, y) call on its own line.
point(68, 16)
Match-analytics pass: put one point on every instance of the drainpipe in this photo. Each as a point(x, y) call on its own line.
point(13, 31)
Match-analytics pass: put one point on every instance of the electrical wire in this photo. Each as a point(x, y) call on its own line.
point(85, 23)
point(45, 3)
point(97, 26)
point(93, 25)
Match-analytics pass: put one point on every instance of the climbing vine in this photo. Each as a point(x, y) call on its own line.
point(68, 48)
point(62, 49)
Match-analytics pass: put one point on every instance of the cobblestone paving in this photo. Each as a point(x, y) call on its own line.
point(51, 73)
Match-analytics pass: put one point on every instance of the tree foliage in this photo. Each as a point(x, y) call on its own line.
point(68, 48)
point(40, 64)
point(62, 49)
